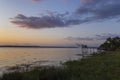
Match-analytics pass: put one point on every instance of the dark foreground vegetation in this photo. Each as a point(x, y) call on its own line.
point(104, 66)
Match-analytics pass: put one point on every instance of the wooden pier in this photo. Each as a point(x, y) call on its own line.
point(85, 50)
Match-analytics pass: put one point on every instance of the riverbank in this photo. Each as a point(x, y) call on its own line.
point(103, 66)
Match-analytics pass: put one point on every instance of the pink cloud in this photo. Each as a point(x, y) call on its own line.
point(37, 0)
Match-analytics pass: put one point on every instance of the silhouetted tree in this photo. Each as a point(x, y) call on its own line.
point(111, 44)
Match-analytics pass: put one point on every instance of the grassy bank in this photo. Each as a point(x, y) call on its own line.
point(104, 66)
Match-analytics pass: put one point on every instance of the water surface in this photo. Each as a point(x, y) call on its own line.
point(48, 56)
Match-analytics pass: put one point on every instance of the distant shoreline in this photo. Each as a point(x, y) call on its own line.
point(14, 46)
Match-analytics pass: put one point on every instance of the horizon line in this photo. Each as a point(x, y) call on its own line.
point(36, 46)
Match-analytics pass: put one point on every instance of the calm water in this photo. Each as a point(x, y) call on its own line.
point(48, 56)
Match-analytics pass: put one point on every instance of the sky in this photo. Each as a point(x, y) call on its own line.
point(58, 22)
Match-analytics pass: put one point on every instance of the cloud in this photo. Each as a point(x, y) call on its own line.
point(79, 38)
point(88, 11)
point(37, 0)
point(95, 10)
point(67, 1)
point(86, 1)
point(100, 9)
point(47, 21)
point(97, 37)
point(94, 40)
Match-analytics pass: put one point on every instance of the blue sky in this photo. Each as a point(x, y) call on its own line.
point(52, 22)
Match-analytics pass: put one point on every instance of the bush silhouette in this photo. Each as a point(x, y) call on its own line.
point(111, 44)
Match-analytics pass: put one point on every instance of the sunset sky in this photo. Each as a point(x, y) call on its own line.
point(58, 22)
